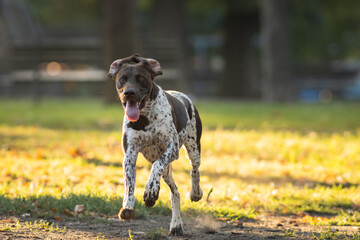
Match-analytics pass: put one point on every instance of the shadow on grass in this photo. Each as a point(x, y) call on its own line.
point(6, 140)
point(104, 207)
point(47, 206)
point(278, 181)
point(97, 207)
point(99, 162)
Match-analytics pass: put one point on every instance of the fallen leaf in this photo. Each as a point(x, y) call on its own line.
point(39, 154)
point(320, 219)
point(60, 219)
point(68, 213)
point(301, 213)
point(306, 219)
point(74, 152)
point(79, 209)
point(93, 214)
point(7, 221)
point(238, 224)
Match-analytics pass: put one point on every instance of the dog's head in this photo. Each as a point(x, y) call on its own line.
point(134, 77)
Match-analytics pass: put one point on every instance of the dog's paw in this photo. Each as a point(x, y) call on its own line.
point(126, 214)
point(150, 198)
point(176, 231)
point(196, 196)
point(151, 193)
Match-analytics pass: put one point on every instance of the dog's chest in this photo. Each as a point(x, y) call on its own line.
point(153, 140)
point(159, 130)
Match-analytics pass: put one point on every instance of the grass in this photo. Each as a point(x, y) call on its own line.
point(91, 114)
point(333, 234)
point(282, 159)
point(41, 225)
point(157, 233)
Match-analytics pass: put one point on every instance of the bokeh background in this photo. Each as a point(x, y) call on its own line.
point(276, 83)
point(277, 50)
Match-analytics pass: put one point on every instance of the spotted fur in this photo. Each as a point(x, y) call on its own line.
point(167, 121)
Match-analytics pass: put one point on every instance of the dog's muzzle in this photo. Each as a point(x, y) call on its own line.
point(131, 105)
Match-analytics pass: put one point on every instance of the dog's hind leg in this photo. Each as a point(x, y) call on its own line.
point(176, 225)
point(193, 154)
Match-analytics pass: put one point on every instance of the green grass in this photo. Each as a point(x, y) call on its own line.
point(299, 116)
point(92, 114)
point(281, 159)
point(41, 225)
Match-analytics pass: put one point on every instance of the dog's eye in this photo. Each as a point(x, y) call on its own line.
point(122, 79)
point(140, 78)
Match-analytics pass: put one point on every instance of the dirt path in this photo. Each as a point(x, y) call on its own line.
point(153, 228)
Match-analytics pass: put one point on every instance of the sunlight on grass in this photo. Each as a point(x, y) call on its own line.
point(46, 169)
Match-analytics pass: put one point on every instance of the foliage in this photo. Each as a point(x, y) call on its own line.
point(324, 30)
point(320, 30)
point(67, 13)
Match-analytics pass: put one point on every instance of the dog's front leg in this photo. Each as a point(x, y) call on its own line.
point(152, 188)
point(129, 166)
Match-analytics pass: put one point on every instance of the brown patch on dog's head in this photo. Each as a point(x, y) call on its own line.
point(152, 65)
point(134, 77)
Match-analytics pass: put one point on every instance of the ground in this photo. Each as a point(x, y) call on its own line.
point(266, 227)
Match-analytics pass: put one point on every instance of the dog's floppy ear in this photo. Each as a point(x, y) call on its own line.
point(114, 68)
point(154, 66)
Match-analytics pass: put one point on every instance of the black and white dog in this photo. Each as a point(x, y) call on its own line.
point(156, 123)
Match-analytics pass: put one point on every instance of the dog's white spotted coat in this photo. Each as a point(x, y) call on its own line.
point(160, 142)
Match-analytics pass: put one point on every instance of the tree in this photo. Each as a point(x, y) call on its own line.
point(276, 84)
point(166, 40)
point(4, 47)
point(241, 62)
point(120, 37)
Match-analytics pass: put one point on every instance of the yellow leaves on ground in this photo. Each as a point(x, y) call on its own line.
point(314, 220)
point(306, 218)
point(266, 170)
point(74, 152)
point(10, 220)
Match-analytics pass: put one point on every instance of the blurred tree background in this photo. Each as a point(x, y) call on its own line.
point(273, 50)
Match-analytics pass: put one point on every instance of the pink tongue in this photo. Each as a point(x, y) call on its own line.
point(132, 111)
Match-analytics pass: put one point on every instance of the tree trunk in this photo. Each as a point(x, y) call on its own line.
point(4, 45)
point(240, 57)
point(120, 37)
point(276, 84)
point(167, 40)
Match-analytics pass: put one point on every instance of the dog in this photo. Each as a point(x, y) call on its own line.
point(156, 123)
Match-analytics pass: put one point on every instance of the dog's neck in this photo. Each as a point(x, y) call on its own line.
point(151, 101)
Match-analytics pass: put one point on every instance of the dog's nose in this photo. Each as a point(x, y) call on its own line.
point(130, 92)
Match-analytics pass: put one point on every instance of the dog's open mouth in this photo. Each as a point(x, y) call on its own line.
point(132, 109)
